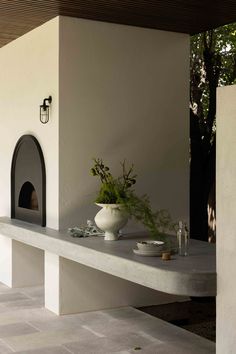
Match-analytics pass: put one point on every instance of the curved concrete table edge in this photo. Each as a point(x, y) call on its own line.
point(199, 282)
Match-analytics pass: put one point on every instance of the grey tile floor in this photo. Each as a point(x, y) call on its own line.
point(26, 327)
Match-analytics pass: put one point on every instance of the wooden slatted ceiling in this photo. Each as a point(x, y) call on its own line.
point(188, 16)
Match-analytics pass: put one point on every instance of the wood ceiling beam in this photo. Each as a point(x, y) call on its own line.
point(187, 16)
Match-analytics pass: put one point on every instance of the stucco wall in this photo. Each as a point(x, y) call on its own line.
point(226, 221)
point(118, 92)
point(123, 94)
point(29, 73)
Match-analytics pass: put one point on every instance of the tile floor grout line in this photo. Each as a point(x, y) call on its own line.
point(148, 336)
point(7, 345)
point(26, 295)
point(100, 335)
point(30, 324)
point(69, 351)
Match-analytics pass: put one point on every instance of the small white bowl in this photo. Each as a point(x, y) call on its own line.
point(150, 245)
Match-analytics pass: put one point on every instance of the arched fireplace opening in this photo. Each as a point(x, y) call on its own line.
point(28, 182)
point(28, 198)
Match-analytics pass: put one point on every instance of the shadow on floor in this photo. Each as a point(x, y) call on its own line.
point(197, 315)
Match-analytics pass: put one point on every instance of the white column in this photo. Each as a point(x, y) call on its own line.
point(6, 260)
point(20, 264)
point(51, 283)
point(226, 220)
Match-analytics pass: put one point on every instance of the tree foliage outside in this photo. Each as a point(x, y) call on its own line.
point(212, 64)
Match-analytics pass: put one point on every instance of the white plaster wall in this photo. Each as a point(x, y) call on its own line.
point(226, 220)
point(29, 73)
point(27, 265)
point(123, 94)
point(6, 260)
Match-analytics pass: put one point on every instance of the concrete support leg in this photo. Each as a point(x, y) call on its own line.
point(71, 287)
point(20, 265)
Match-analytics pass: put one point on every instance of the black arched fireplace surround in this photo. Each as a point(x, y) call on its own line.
point(28, 182)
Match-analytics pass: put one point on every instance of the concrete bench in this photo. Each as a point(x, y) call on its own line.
point(90, 274)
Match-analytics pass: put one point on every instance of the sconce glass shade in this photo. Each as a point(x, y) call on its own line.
point(44, 110)
point(44, 114)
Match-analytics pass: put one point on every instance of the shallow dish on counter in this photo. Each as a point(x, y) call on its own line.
point(153, 253)
point(152, 246)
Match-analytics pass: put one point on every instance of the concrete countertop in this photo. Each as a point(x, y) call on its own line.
point(194, 275)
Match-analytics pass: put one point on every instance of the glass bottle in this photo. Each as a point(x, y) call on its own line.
point(183, 239)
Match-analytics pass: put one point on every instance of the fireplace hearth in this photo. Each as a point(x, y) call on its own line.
point(28, 182)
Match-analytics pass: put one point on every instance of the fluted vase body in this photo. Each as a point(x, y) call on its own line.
point(111, 219)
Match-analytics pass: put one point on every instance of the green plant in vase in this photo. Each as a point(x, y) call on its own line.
point(156, 222)
point(119, 191)
point(113, 190)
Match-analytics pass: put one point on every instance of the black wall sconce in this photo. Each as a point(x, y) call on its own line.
point(44, 110)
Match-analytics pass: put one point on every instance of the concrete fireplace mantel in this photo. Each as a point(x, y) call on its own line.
point(192, 276)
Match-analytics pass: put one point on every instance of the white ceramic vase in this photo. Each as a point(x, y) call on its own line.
point(110, 219)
